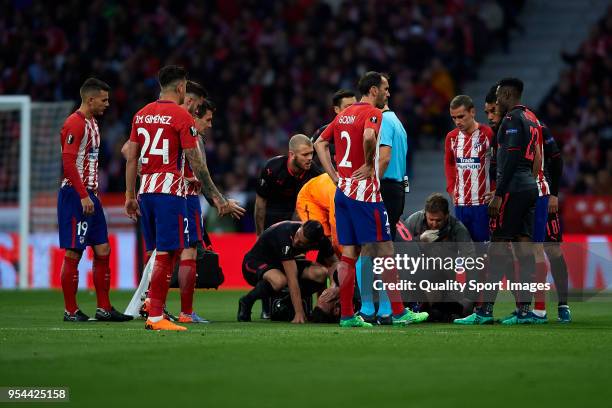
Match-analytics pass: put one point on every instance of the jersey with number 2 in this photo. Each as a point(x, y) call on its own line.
point(347, 132)
point(163, 130)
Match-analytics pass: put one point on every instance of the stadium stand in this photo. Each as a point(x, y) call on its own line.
point(300, 53)
point(579, 112)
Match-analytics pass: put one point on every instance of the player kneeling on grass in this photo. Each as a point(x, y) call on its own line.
point(80, 216)
point(275, 262)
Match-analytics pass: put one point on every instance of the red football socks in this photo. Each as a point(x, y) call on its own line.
point(160, 282)
point(346, 276)
point(101, 278)
point(397, 306)
point(70, 283)
point(187, 278)
point(540, 295)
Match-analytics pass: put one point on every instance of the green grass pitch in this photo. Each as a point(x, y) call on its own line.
point(262, 364)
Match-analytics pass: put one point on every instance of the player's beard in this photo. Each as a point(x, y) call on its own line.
point(302, 167)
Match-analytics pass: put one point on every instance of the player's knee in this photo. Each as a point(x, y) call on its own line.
point(102, 250)
point(523, 248)
point(189, 254)
point(74, 254)
point(538, 252)
point(553, 251)
point(277, 280)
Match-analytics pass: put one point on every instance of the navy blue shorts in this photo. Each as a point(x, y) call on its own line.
point(164, 221)
point(541, 219)
point(360, 222)
point(76, 231)
point(195, 220)
point(476, 220)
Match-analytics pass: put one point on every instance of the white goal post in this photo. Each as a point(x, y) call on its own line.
point(23, 104)
point(30, 170)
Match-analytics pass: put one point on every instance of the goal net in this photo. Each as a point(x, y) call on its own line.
point(30, 169)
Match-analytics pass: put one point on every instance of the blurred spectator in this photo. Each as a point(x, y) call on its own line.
point(578, 111)
point(270, 66)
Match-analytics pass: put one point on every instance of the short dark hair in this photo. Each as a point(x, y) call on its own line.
point(93, 85)
point(319, 316)
point(340, 95)
point(313, 231)
point(204, 107)
point(436, 202)
point(368, 80)
point(515, 84)
point(462, 100)
point(170, 74)
point(492, 94)
point(196, 89)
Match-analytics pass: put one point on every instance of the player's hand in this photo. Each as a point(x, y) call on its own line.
point(132, 209)
point(553, 204)
point(364, 172)
point(299, 318)
point(429, 236)
point(489, 196)
point(195, 183)
point(335, 178)
point(88, 206)
point(494, 207)
point(221, 204)
point(234, 209)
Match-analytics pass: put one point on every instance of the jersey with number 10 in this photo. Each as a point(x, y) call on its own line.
point(347, 131)
point(163, 130)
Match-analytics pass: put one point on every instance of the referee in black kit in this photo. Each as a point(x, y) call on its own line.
point(393, 149)
point(279, 183)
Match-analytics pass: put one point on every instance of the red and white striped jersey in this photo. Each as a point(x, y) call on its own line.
point(466, 163)
point(347, 131)
point(163, 130)
point(81, 136)
point(191, 187)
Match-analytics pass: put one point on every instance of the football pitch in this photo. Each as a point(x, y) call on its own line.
point(262, 364)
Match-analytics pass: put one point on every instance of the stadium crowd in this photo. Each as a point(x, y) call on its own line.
point(300, 52)
point(579, 112)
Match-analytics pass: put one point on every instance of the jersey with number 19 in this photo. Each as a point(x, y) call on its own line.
point(358, 200)
point(80, 138)
point(163, 130)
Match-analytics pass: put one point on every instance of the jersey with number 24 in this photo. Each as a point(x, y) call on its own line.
point(163, 130)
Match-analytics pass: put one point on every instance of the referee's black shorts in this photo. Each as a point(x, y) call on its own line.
point(394, 197)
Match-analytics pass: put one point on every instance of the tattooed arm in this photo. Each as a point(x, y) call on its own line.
point(197, 161)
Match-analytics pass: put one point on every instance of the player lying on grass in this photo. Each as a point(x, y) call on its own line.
point(276, 261)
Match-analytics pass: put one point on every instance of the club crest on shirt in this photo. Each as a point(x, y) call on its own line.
point(373, 119)
point(194, 131)
point(70, 139)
